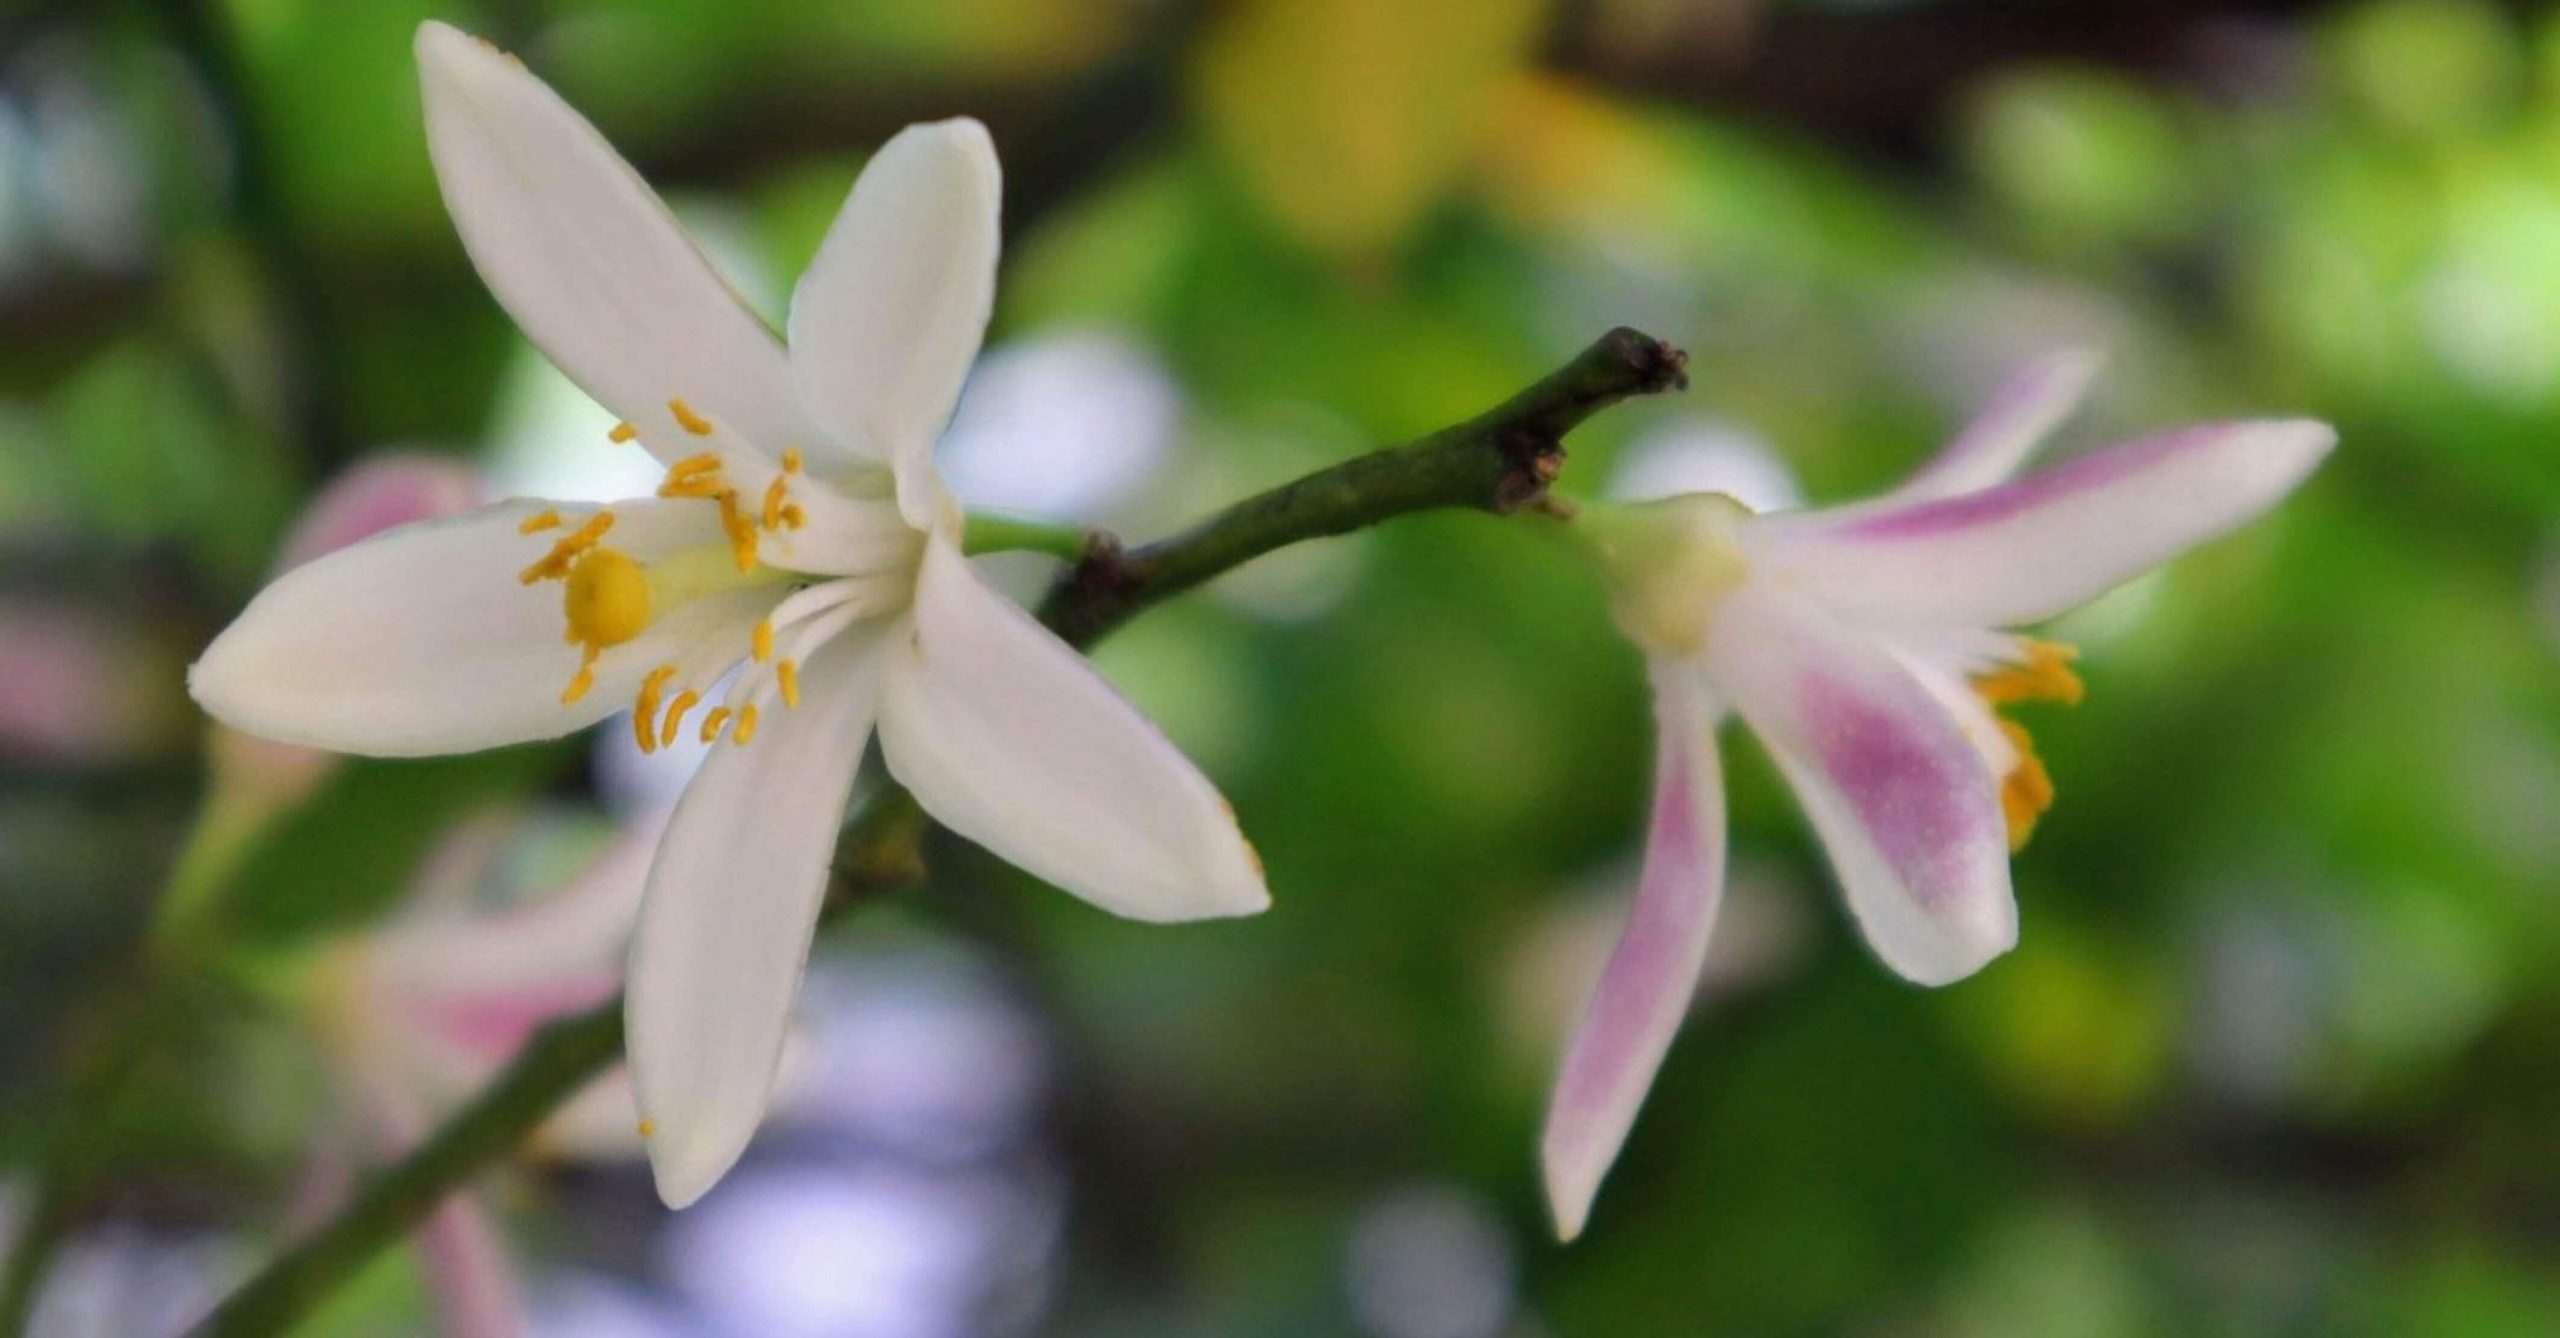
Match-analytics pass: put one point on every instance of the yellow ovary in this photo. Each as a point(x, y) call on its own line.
point(605, 600)
point(2044, 676)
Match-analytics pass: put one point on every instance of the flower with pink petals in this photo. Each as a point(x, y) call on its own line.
point(1867, 647)
point(422, 1012)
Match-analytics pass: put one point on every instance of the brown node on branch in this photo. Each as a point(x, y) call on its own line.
point(1536, 459)
point(1658, 366)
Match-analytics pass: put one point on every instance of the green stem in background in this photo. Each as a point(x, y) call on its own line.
point(1007, 534)
point(1498, 462)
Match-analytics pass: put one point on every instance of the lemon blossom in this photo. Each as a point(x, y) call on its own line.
point(1863, 645)
point(423, 1010)
point(801, 538)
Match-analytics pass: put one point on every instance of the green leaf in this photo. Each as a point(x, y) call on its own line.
point(347, 853)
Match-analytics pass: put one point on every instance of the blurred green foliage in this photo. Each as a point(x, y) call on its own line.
point(2276, 1053)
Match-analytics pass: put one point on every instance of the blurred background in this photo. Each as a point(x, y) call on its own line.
point(2279, 1052)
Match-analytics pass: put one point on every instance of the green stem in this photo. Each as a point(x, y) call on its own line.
point(1499, 462)
point(1007, 534)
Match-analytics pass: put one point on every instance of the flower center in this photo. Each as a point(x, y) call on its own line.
point(2044, 676)
point(1670, 564)
point(609, 597)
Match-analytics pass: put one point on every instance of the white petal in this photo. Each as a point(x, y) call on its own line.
point(1010, 738)
point(2028, 550)
point(588, 260)
point(1651, 977)
point(1905, 807)
point(422, 640)
point(2020, 415)
point(890, 315)
point(600, 1123)
point(725, 926)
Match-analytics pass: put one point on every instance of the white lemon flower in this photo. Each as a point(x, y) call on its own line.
point(801, 536)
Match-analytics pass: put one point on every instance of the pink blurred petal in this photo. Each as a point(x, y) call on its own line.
point(490, 1027)
point(470, 1281)
point(384, 492)
point(1646, 988)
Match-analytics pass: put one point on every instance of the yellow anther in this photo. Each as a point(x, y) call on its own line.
point(793, 517)
point(675, 716)
point(644, 711)
point(746, 730)
point(555, 564)
point(2027, 791)
point(711, 723)
point(622, 434)
point(764, 640)
point(687, 419)
point(606, 601)
point(648, 1128)
point(791, 460)
point(2045, 677)
point(788, 675)
point(742, 532)
point(539, 521)
point(773, 497)
point(693, 476)
point(579, 682)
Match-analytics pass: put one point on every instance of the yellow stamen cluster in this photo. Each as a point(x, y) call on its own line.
point(608, 596)
point(554, 565)
point(604, 599)
point(699, 476)
point(2045, 676)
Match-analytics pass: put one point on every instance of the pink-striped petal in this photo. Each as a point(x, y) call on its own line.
point(1646, 987)
point(2028, 550)
point(2019, 416)
point(1905, 806)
